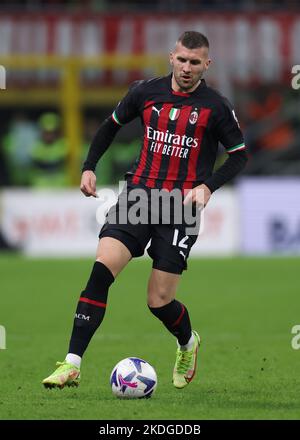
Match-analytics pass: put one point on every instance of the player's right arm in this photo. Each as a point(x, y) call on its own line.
point(88, 183)
point(102, 140)
point(126, 111)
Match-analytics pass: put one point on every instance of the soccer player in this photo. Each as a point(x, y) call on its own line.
point(183, 121)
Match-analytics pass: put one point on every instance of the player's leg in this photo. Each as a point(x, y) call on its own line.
point(119, 242)
point(162, 303)
point(169, 260)
point(175, 317)
point(112, 257)
point(162, 288)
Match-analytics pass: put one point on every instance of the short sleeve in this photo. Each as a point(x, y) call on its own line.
point(228, 129)
point(128, 107)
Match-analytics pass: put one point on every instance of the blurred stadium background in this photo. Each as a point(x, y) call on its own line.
point(67, 64)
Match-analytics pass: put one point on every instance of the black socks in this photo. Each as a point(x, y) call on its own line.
point(91, 308)
point(92, 305)
point(176, 319)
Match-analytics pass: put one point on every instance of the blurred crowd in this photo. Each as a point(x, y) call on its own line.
point(34, 152)
point(153, 5)
point(271, 125)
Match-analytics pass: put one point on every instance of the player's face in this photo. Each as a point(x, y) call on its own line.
point(188, 67)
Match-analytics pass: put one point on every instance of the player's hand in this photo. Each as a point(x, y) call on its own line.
point(88, 183)
point(199, 195)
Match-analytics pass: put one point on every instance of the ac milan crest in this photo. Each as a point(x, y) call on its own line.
point(193, 117)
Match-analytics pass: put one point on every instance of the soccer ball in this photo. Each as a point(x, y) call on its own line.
point(133, 378)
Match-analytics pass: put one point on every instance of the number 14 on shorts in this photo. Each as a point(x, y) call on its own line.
point(180, 243)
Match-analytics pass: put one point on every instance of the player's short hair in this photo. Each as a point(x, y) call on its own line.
point(193, 40)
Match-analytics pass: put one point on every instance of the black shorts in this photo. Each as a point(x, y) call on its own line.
point(170, 243)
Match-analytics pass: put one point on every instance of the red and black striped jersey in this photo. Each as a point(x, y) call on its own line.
point(181, 132)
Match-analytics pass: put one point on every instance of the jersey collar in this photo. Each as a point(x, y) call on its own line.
point(201, 85)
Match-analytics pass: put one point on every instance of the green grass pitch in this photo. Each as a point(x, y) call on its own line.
point(243, 308)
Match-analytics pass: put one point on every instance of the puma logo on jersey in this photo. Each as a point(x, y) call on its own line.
point(156, 110)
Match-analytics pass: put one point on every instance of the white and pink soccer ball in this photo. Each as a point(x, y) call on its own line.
point(133, 378)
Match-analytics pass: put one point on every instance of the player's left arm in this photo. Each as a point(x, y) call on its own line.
point(229, 134)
